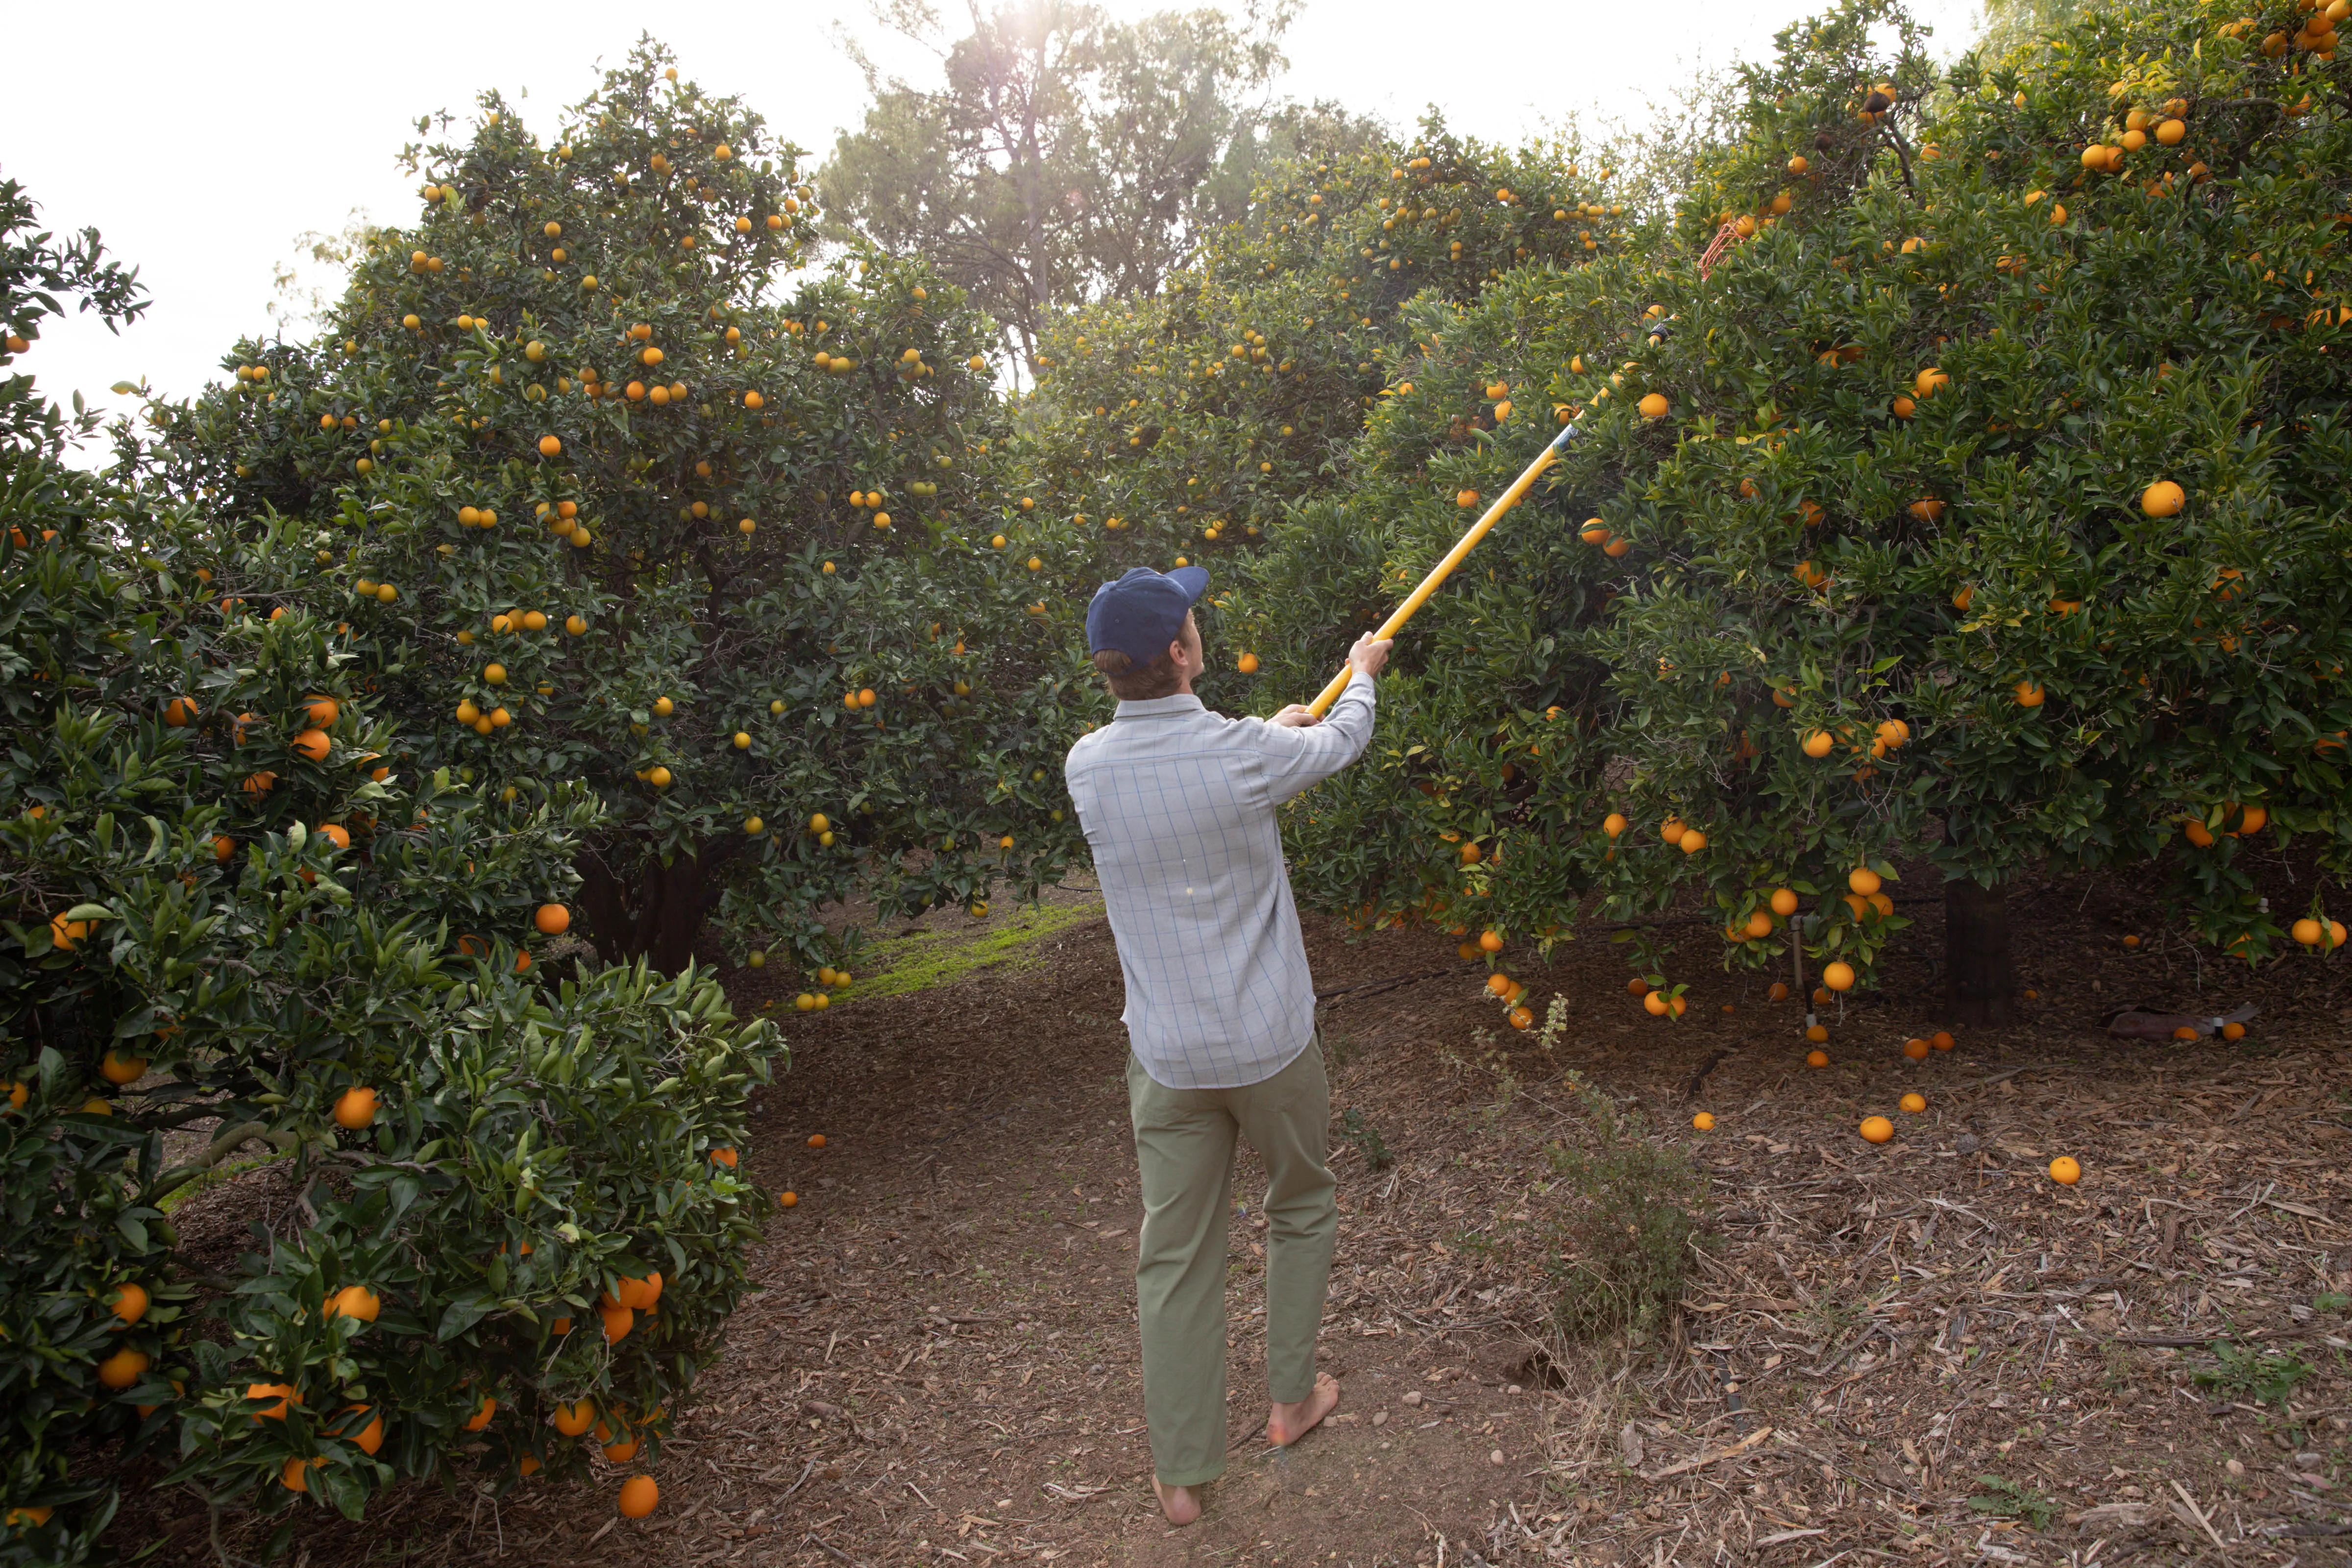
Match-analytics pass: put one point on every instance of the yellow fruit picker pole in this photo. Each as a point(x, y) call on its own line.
point(1444, 569)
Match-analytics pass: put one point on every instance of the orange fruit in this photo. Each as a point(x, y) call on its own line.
point(129, 1303)
point(1816, 743)
point(1654, 405)
point(1497, 984)
point(1863, 880)
point(1703, 1122)
point(552, 919)
point(2028, 695)
point(355, 1108)
point(118, 1069)
point(124, 1368)
point(295, 1474)
point(1784, 902)
point(1914, 1103)
point(638, 1496)
point(1656, 1003)
point(574, 1418)
point(618, 1320)
point(1638, 986)
point(481, 1417)
point(1915, 1049)
point(723, 1157)
point(2186, 1032)
point(2233, 1031)
point(2131, 941)
point(2162, 499)
point(367, 1438)
point(1817, 1058)
point(1492, 941)
point(1521, 1017)
point(1838, 975)
point(280, 1393)
point(549, 446)
point(1247, 664)
point(1942, 1040)
point(355, 1301)
point(1877, 1129)
point(638, 1294)
point(1780, 991)
point(788, 1199)
point(179, 714)
point(2066, 1171)
point(1818, 1034)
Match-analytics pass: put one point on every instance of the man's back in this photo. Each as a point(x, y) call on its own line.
point(1178, 808)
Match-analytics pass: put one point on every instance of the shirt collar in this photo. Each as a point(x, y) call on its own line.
point(1160, 707)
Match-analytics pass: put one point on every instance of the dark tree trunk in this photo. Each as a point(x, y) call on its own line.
point(640, 908)
point(1978, 977)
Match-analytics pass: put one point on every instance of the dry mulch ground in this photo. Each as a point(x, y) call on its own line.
point(1925, 1351)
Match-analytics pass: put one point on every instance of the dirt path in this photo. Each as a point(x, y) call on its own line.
point(1923, 1351)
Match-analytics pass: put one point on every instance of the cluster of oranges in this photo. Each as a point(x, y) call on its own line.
point(827, 979)
point(1499, 984)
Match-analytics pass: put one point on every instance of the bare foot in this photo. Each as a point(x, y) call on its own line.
point(1180, 1504)
point(1288, 1423)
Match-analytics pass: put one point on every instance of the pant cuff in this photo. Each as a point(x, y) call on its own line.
point(1194, 1478)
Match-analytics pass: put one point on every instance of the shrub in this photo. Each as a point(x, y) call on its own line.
point(236, 897)
point(1627, 1225)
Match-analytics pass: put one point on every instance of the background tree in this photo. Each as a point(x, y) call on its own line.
point(605, 512)
point(1064, 155)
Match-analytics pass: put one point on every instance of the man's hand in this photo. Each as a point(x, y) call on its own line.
point(1298, 716)
point(1368, 657)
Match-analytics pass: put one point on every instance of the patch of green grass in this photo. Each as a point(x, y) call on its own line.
point(2007, 1499)
point(227, 1171)
point(2243, 1372)
point(896, 965)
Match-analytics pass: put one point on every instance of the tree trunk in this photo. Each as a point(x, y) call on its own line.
point(643, 909)
point(1978, 979)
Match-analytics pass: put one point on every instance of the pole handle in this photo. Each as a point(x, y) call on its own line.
point(1444, 568)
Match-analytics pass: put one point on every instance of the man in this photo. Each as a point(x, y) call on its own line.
point(1178, 805)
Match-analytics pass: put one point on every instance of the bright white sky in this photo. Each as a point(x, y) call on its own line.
point(202, 139)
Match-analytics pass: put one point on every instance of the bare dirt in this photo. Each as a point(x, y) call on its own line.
point(1925, 1351)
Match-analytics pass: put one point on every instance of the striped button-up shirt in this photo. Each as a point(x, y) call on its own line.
point(1178, 805)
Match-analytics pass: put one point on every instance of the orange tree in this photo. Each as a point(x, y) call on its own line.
point(1194, 423)
point(237, 903)
point(1984, 507)
point(604, 510)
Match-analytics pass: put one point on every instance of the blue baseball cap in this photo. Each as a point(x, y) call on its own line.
point(1144, 611)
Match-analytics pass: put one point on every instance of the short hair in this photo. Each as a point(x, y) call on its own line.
point(1133, 682)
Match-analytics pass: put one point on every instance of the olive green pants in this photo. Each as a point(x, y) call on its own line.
point(1184, 1151)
